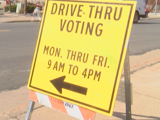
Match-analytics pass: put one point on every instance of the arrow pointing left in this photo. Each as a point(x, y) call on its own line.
point(59, 84)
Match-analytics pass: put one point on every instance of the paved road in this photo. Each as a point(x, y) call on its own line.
point(17, 43)
point(145, 36)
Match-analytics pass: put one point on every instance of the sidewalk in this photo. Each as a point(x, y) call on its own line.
point(13, 17)
point(145, 78)
point(153, 15)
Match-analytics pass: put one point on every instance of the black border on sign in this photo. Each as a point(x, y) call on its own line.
point(34, 64)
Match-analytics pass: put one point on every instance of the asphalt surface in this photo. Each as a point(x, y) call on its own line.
point(18, 43)
point(145, 78)
point(16, 52)
point(145, 36)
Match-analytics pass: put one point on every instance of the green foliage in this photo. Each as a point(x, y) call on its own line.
point(6, 8)
point(13, 8)
point(30, 8)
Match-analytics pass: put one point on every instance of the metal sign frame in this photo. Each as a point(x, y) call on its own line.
point(127, 86)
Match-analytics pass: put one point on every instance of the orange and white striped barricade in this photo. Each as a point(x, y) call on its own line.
point(57, 104)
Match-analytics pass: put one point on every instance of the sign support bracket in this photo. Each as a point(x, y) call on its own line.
point(127, 86)
point(30, 110)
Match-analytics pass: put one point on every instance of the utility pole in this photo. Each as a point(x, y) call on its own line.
point(156, 7)
point(25, 7)
point(9, 5)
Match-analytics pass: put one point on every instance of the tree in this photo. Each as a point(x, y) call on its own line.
point(25, 6)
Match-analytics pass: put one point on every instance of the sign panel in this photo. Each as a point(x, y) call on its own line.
point(80, 51)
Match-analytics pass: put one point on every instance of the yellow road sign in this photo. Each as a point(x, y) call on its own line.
point(80, 51)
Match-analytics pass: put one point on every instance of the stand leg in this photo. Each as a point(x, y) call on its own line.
point(30, 110)
point(127, 86)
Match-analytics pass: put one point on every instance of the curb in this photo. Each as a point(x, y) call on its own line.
point(13, 21)
point(150, 16)
point(153, 15)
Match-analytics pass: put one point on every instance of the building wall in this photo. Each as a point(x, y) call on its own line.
point(150, 2)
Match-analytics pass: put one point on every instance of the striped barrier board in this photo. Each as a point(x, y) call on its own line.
point(62, 106)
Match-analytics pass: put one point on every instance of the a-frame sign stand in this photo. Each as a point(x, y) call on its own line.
point(127, 86)
point(30, 110)
point(127, 91)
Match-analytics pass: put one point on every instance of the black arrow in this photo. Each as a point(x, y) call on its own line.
point(59, 84)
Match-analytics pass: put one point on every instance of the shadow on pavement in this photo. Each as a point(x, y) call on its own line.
point(148, 22)
point(123, 116)
point(7, 16)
